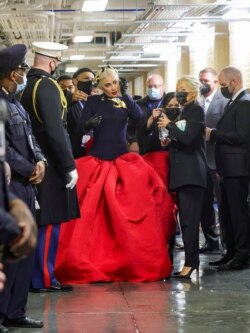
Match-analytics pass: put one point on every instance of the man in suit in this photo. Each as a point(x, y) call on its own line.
point(83, 84)
point(27, 164)
point(46, 104)
point(153, 100)
point(232, 155)
point(213, 103)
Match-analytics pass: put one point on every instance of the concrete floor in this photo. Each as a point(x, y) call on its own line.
point(212, 302)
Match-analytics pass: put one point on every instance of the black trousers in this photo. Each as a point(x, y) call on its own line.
point(190, 199)
point(14, 297)
point(208, 218)
point(235, 218)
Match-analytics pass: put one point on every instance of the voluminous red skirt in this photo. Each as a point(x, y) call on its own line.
point(127, 219)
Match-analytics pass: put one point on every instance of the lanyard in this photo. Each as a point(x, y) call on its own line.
point(150, 106)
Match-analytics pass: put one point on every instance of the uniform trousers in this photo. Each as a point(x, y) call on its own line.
point(43, 273)
point(14, 297)
point(235, 218)
point(190, 200)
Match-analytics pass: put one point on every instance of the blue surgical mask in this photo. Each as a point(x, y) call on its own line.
point(20, 86)
point(154, 93)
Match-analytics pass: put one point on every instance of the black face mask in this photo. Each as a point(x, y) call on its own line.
point(68, 95)
point(172, 113)
point(205, 89)
point(226, 93)
point(181, 97)
point(85, 86)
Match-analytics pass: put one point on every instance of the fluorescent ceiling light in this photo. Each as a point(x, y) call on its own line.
point(125, 57)
point(71, 69)
point(83, 36)
point(94, 5)
point(133, 65)
point(237, 14)
point(76, 57)
point(94, 58)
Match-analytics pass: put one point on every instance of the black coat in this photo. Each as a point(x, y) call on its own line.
point(75, 134)
point(187, 150)
point(148, 140)
point(232, 138)
point(57, 203)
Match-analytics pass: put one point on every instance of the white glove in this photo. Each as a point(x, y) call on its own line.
point(72, 177)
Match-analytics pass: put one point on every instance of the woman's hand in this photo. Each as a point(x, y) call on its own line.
point(163, 121)
point(165, 142)
point(156, 113)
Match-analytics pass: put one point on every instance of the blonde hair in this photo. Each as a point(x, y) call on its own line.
point(193, 83)
point(103, 73)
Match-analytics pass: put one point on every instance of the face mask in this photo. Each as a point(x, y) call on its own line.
point(20, 86)
point(85, 86)
point(172, 113)
point(68, 95)
point(154, 93)
point(205, 89)
point(182, 97)
point(226, 93)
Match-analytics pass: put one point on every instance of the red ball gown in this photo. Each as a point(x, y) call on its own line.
point(127, 214)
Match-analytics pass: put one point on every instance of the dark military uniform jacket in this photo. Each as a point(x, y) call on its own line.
point(57, 204)
point(22, 149)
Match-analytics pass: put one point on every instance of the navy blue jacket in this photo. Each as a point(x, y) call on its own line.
point(22, 149)
point(110, 139)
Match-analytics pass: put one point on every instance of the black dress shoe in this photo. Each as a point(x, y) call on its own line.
point(222, 261)
point(3, 329)
point(209, 248)
point(60, 287)
point(25, 322)
point(234, 264)
point(41, 290)
point(53, 288)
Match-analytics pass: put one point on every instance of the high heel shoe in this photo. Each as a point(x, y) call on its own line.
point(179, 275)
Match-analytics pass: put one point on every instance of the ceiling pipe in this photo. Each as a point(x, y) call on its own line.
point(200, 19)
point(167, 34)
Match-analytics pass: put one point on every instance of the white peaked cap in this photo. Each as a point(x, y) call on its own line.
point(49, 49)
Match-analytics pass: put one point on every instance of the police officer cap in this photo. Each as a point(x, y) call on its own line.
point(82, 70)
point(13, 57)
point(49, 49)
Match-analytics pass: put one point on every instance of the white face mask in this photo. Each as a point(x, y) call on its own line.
point(20, 86)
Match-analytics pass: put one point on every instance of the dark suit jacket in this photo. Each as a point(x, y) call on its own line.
point(212, 116)
point(187, 150)
point(136, 131)
point(232, 138)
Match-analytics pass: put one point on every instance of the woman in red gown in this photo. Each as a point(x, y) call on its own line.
point(127, 215)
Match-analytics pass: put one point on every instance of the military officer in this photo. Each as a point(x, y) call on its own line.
point(46, 104)
point(27, 164)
